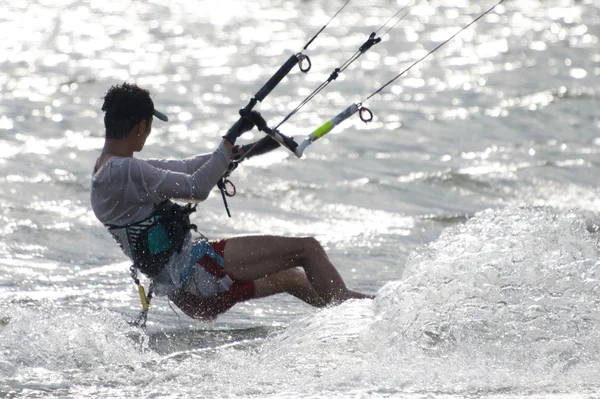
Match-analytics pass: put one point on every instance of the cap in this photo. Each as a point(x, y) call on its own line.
point(160, 116)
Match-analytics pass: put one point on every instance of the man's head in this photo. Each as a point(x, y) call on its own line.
point(127, 105)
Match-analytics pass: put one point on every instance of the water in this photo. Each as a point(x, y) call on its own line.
point(469, 204)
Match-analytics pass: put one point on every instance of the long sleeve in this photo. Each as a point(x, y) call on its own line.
point(127, 189)
point(182, 185)
point(187, 165)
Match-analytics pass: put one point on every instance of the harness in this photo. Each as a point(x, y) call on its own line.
point(151, 242)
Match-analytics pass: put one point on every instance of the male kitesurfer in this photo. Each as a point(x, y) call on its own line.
point(133, 197)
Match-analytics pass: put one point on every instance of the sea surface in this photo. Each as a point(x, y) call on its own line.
point(469, 205)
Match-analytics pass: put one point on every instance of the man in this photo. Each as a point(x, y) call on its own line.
point(132, 198)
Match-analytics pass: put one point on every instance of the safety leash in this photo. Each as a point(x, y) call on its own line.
point(145, 299)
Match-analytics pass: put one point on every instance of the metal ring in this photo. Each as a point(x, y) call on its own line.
point(362, 111)
point(302, 58)
point(227, 193)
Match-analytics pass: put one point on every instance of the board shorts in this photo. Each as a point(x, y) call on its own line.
point(209, 308)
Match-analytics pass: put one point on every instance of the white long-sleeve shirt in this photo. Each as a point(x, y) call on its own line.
point(125, 190)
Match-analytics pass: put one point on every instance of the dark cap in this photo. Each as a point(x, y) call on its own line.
point(160, 115)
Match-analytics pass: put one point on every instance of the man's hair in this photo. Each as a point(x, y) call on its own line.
point(125, 106)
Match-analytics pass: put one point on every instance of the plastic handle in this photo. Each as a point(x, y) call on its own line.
point(329, 125)
point(326, 128)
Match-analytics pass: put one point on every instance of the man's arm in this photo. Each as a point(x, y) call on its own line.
point(161, 183)
point(188, 165)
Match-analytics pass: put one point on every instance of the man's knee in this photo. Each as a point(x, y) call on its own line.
point(311, 245)
point(305, 249)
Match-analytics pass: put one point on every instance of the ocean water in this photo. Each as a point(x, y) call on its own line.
point(469, 204)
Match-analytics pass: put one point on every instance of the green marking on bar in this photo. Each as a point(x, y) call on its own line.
point(322, 130)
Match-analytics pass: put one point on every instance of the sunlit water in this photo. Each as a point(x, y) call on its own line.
point(469, 204)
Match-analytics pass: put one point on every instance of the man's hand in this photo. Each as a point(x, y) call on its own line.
point(260, 147)
point(243, 125)
point(240, 127)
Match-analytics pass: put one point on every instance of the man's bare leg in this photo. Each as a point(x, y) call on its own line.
point(256, 257)
point(291, 281)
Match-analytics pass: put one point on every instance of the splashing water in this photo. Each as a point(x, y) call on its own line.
point(504, 303)
point(49, 348)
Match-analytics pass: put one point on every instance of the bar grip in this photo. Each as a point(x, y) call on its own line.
point(275, 79)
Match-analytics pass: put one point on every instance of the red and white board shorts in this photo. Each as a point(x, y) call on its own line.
point(209, 308)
